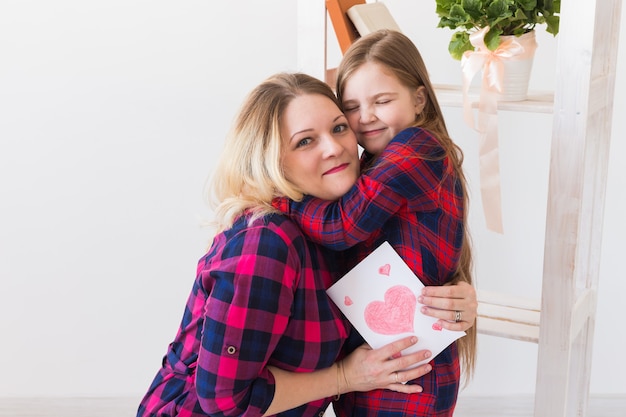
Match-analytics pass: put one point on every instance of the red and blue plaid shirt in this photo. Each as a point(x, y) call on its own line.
point(412, 198)
point(259, 299)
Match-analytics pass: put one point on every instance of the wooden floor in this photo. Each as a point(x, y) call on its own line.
point(605, 406)
point(68, 407)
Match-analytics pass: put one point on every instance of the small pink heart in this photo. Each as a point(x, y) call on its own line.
point(437, 326)
point(384, 270)
point(347, 301)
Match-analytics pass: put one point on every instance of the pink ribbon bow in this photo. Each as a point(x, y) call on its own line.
point(491, 63)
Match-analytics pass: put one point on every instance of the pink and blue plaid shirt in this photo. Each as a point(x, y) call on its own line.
point(259, 299)
point(412, 198)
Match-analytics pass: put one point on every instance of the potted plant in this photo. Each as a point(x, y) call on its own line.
point(498, 18)
point(496, 37)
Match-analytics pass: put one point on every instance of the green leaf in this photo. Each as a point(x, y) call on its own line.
point(552, 23)
point(458, 15)
point(498, 9)
point(445, 4)
point(492, 38)
point(459, 43)
point(527, 4)
point(474, 8)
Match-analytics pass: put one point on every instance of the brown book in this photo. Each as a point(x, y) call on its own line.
point(344, 28)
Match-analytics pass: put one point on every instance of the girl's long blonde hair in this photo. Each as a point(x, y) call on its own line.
point(249, 172)
point(400, 56)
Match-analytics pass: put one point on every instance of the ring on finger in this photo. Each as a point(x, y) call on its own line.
point(457, 316)
point(396, 374)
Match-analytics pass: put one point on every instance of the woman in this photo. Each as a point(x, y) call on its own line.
point(259, 335)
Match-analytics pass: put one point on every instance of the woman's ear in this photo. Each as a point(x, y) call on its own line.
point(419, 99)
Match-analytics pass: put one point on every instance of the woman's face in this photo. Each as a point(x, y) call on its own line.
point(378, 106)
point(320, 153)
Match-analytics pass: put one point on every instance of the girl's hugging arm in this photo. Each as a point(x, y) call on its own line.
point(398, 178)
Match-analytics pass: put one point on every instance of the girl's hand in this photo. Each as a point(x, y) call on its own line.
point(449, 303)
point(366, 369)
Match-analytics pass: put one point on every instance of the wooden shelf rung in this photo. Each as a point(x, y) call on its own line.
point(508, 316)
point(537, 101)
point(508, 330)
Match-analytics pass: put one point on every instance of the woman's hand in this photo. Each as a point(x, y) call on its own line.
point(366, 369)
point(455, 305)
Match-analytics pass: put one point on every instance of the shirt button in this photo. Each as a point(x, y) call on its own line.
point(231, 350)
point(321, 414)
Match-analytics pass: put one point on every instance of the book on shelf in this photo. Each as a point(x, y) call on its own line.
point(370, 17)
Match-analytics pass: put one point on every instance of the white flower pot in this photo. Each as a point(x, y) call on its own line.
point(517, 68)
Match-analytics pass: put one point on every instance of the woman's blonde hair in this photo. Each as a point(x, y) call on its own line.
point(249, 172)
point(399, 55)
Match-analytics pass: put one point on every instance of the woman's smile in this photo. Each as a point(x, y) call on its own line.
point(336, 169)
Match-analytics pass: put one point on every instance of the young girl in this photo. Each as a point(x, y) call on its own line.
point(385, 92)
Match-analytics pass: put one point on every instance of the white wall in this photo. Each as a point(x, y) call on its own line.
point(111, 116)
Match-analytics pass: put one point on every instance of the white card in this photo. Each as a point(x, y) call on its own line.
point(379, 297)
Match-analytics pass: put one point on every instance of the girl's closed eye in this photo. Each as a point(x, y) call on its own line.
point(347, 108)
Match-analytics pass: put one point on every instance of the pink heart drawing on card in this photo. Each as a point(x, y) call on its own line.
point(395, 314)
point(347, 301)
point(384, 270)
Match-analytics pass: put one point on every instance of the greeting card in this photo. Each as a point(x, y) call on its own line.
point(379, 297)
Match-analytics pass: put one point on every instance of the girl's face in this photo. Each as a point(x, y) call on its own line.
point(320, 153)
point(378, 106)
